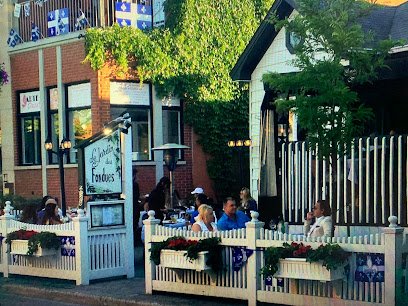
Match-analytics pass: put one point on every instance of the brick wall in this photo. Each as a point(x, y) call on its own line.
point(28, 183)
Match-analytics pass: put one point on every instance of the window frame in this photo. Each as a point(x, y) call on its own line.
point(132, 106)
point(67, 112)
point(19, 126)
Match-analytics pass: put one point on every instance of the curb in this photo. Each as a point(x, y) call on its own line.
point(71, 297)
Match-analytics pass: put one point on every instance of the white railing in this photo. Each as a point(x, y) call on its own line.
point(85, 254)
point(365, 187)
point(248, 284)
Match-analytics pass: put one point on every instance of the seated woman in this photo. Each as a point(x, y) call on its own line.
point(51, 215)
point(248, 204)
point(29, 214)
point(204, 220)
point(322, 225)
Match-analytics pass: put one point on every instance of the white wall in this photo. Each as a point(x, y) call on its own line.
point(276, 59)
point(6, 112)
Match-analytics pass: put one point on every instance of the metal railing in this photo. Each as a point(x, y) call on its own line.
point(99, 13)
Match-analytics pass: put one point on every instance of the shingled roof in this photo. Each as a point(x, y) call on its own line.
point(384, 21)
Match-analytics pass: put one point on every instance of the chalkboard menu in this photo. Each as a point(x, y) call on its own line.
point(102, 166)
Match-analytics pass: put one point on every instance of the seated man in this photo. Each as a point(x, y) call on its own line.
point(323, 223)
point(232, 218)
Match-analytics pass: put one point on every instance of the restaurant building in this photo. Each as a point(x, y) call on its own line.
point(54, 95)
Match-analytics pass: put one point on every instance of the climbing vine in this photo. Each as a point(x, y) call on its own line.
point(191, 58)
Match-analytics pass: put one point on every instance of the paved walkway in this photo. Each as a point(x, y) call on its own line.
point(107, 292)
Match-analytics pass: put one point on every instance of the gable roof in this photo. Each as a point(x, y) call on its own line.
point(384, 21)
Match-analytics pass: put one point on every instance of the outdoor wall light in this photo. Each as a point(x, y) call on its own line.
point(239, 143)
point(231, 143)
point(64, 147)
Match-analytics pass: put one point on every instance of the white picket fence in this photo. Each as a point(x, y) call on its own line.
point(365, 187)
point(89, 253)
point(248, 284)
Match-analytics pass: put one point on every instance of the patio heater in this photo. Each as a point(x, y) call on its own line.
point(170, 157)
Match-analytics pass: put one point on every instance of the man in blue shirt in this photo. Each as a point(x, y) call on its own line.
point(232, 218)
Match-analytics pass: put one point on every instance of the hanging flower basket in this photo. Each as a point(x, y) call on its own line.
point(20, 247)
point(178, 260)
point(298, 261)
point(32, 243)
point(299, 268)
point(179, 253)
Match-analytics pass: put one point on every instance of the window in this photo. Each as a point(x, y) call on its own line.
point(79, 116)
point(140, 130)
point(30, 131)
point(134, 98)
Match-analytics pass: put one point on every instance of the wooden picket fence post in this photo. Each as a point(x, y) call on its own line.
point(253, 265)
point(150, 229)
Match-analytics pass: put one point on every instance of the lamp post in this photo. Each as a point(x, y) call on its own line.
point(239, 144)
point(170, 157)
point(64, 148)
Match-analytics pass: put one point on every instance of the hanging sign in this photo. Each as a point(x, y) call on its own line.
point(103, 166)
point(30, 102)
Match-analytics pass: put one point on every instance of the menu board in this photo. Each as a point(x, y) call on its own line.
point(106, 214)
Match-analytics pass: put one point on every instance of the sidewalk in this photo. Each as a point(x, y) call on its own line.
point(105, 292)
point(114, 292)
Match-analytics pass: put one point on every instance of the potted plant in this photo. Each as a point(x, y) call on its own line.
point(32, 243)
point(180, 253)
point(298, 261)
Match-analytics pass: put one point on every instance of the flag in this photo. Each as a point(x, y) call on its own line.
point(17, 10)
point(14, 39)
point(125, 13)
point(370, 267)
point(27, 9)
point(58, 22)
point(144, 16)
point(39, 2)
point(35, 32)
point(81, 21)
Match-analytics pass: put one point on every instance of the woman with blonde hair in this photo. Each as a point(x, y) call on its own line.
point(204, 220)
point(248, 204)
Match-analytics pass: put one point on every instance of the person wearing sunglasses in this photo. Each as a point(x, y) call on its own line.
point(321, 216)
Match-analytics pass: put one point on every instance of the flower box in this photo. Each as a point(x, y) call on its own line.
point(299, 268)
point(20, 247)
point(178, 260)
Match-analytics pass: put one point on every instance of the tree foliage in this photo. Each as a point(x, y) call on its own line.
point(334, 55)
point(191, 58)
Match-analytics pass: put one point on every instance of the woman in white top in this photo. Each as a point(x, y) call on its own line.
point(204, 220)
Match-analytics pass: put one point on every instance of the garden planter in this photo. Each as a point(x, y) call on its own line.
point(299, 268)
point(20, 247)
point(177, 260)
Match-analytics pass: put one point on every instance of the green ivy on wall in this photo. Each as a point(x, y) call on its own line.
point(192, 58)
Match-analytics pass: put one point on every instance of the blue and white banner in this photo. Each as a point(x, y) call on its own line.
point(134, 14)
point(68, 246)
point(58, 22)
point(240, 256)
point(370, 268)
point(81, 21)
point(14, 39)
point(35, 32)
point(125, 14)
point(144, 16)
